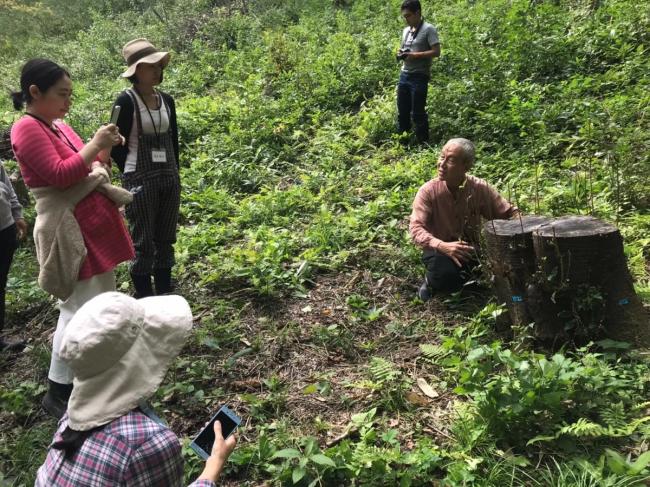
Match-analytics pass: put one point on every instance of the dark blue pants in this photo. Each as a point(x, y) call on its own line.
point(411, 104)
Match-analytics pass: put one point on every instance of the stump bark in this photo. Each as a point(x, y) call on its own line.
point(568, 276)
point(6, 152)
point(511, 258)
point(583, 282)
point(20, 188)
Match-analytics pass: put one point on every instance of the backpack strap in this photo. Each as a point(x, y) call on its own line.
point(136, 109)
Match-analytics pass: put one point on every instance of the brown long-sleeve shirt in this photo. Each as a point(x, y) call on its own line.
point(439, 216)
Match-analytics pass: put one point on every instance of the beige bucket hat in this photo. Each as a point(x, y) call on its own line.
point(141, 51)
point(119, 350)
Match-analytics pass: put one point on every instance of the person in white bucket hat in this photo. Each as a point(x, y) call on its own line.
point(119, 350)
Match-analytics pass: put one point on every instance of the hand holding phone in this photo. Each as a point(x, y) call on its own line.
point(204, 441)
point(222, 447)
point(115, 114)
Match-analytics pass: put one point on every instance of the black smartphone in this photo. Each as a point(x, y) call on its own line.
point(115, 114)
point(203, 442)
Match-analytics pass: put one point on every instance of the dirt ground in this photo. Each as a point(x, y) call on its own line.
point(299, 359)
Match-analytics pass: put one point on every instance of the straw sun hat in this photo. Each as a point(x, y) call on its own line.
point(141, 51)
point(119, 350)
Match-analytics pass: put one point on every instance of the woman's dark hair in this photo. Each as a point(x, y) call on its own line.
point(412, 6)
point(133, 79)
point(40, 72)
point(71, 440)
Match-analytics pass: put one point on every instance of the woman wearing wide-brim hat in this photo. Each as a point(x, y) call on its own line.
point(120, 349)
point(149, 164)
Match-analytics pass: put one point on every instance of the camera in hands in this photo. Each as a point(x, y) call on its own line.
point(402, 54)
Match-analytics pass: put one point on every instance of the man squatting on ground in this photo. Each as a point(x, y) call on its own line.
point(446, 218)
point(418, 47)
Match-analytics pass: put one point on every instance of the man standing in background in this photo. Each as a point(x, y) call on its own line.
point(419, 46)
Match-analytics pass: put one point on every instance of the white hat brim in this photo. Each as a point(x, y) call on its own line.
point(98, 400)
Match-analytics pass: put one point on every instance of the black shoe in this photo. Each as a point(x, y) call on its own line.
point(55, 400)
point(142, 285)
point(12, 345)
point(162, 278)
point(424, 293)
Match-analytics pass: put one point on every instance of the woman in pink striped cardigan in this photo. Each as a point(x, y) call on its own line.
point(51, 154)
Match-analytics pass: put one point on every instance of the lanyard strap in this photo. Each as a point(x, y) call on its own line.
point(58, 132)
point(162, 104)
point(414, 34)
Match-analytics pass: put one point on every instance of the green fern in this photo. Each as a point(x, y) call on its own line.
point(640, 406)
point(614, 415)
point(585, 428)
point(640, 424)
point(382, 371)
point(431, 351)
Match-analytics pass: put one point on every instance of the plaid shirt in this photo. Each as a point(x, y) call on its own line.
point(130, 450)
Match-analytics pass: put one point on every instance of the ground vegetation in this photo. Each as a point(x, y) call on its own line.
point(293, 248)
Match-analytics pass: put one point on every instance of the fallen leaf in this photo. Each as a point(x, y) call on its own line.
point(415, 399)
point(426, 388)
point(246, 384)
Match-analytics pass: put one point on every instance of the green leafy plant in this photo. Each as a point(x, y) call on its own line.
point(293, 183)
point(19, 399)
point(307, 464)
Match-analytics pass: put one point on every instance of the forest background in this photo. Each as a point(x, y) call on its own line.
point(294, 253)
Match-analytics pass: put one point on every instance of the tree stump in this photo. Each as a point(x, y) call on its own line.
point(6, 152)
point(20, 188)
point(583, 283)
point(511, 258)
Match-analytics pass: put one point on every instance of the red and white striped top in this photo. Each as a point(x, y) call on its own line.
point(45, 159)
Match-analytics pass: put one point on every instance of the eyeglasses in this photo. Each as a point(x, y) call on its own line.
point(449, 160)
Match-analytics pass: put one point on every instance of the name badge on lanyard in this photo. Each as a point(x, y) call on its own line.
point(159, 155)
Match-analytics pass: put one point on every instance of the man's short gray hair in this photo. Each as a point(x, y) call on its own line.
point(468, 149)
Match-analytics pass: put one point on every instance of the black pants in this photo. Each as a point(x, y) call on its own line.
point(153, 216)
point(8, 245)
point(411, 103)
point(443, 274)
